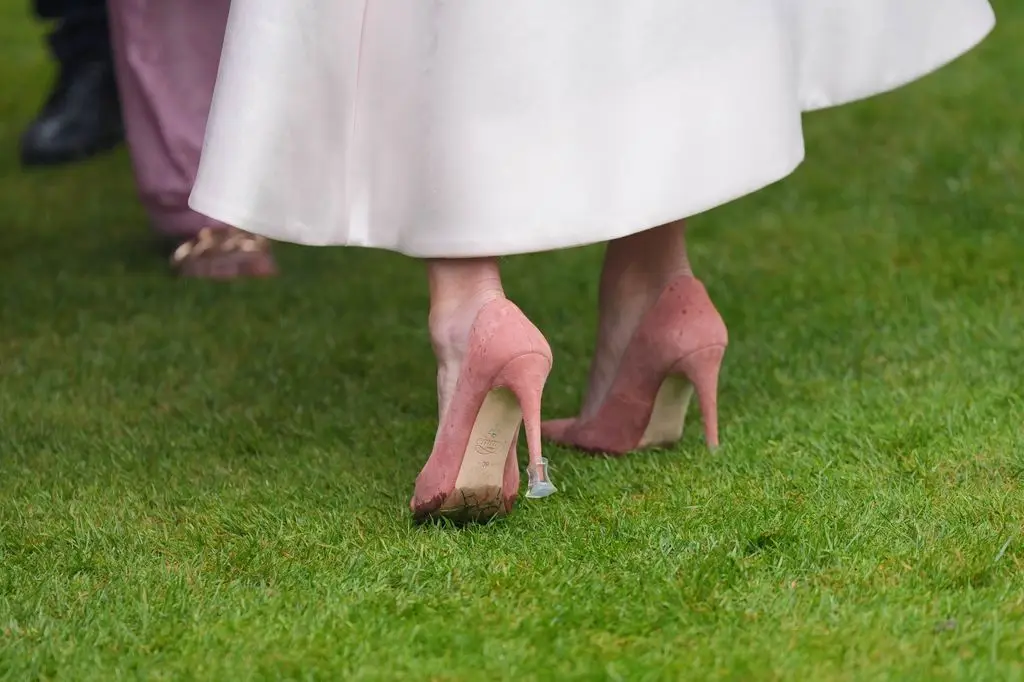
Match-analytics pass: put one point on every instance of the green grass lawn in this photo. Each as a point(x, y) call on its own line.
point(203, 481)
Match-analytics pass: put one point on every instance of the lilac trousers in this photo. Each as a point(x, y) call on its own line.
point(166, 53)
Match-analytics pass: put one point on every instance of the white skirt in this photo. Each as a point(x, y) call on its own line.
point(457, 128)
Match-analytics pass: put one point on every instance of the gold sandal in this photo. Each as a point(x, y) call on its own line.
point(224, 252)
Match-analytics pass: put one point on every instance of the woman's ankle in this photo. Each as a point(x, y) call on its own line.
point(638, 267)
point(458, 289)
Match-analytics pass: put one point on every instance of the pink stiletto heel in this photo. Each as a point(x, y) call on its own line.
point(525, 377)
point(701, 369)
point(676, 350)
point(472, 473)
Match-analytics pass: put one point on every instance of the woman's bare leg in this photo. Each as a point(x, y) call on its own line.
point(636, 270)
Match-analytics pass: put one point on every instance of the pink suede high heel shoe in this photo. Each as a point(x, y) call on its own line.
point(678, 347)
point(473, 473)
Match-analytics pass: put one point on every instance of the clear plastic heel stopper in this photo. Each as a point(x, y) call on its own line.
point(539, 485)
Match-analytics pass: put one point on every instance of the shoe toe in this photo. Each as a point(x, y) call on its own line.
point(557, 430)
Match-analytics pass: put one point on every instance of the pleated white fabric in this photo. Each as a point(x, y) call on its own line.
point(456, 128)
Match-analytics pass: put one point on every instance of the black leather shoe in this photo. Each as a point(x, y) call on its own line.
point(81, 118)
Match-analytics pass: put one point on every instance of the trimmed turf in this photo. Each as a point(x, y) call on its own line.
point(203, 481)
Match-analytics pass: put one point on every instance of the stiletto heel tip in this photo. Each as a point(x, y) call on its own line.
point(539, 486)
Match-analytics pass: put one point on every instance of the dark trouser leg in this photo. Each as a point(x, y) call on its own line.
point(80, 32)
point(81, 117)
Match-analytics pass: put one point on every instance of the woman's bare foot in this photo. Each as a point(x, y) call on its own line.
point(461, 480)
point(636, 270)
point(458, 290)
